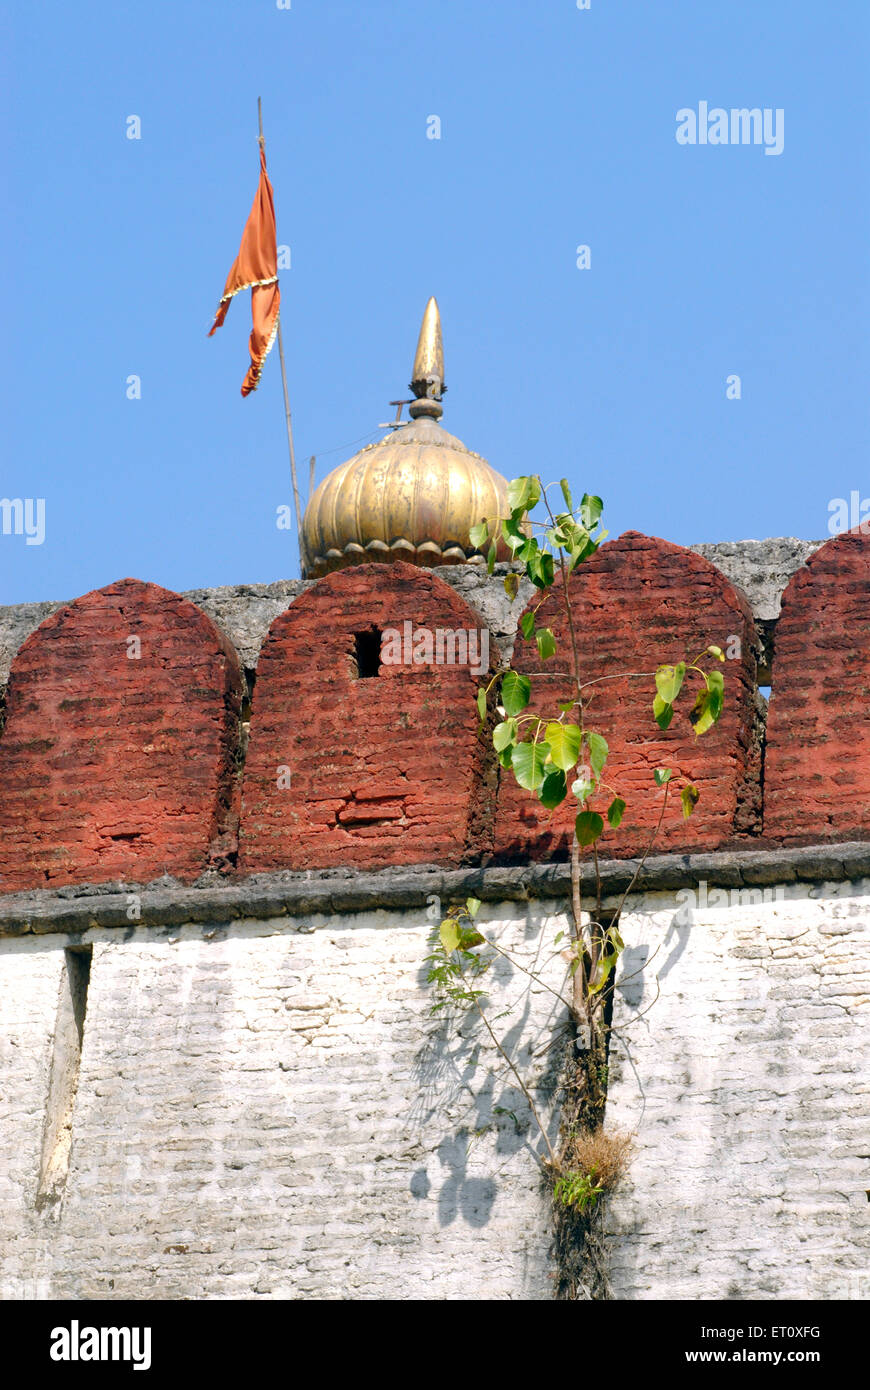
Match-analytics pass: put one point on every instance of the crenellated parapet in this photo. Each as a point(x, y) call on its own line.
point(118, 756)
point(134, 740)
point(636, 604)
point(817, 774)
point(365, 747)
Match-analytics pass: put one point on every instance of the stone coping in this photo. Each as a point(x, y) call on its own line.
point(167, 903)
point(761, 569)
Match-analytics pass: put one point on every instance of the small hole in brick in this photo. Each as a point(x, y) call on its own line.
point(366, 654)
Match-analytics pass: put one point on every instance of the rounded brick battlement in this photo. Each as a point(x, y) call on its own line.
point(123, 752)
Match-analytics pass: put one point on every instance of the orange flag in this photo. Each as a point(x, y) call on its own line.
point(256, 268)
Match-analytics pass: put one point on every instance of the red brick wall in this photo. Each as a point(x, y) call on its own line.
point(817, 770)
point(638, 603)
point(383, 770)
point(111, 767)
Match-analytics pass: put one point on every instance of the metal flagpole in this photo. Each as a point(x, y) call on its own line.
point(286, 396)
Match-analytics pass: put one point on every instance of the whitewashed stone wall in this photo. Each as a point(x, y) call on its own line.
point(747, 1083)
point(267, 1109)
point(273, 1112)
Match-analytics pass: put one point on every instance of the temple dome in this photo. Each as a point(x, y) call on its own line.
point(413, 495)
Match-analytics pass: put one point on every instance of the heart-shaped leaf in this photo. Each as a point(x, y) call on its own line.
point(554, 789)
point(449, 933)
point(527, 761)
point(504, 734)
point(598, 751)
point(546, 643)
point(662, 711)
point(564, 741)
point(669, 680)
point(587, 827)
point(515, 692)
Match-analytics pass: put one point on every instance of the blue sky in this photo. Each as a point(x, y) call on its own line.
point(557, 129)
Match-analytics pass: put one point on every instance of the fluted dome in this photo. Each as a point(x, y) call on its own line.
point(414, 495)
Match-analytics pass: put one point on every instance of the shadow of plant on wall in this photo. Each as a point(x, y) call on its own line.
point(582, 1161)
point(474, 1095)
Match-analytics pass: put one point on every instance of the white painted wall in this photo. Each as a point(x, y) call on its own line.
point(273, 1112)
point(747, 1083)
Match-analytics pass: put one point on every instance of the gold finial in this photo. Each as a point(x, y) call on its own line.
point(428, 374)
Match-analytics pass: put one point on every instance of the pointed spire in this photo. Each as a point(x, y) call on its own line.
point(428, 375)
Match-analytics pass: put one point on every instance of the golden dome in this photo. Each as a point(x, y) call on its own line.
point(414, 495)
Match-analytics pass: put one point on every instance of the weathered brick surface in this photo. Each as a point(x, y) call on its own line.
point(639, 603)
point(817, 769)
point(388, 769)
point(740, 1057)
point(112, 767)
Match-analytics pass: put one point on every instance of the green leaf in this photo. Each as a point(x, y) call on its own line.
point(527, 761)
point(662, 775)
point(564, 741)
point(582, 789)
point(558, 938)
point(716, 683)
point(517, 493)
point(598, 751)
point(479, 535)
point(546, 643)
point(566, 706)
point(504, 756)
point(582, 547)
point(514, 537)
point(529, 549)
point(708, 705)
point(481, 703)
point(566, 493)
point(669, 679)
point(449, 933)
point(587, 827)
point(590, 510)
point(717, 652)
point(490, 559)
point(700, 716)
point(689, 797)
point(663, 712)
point(515, 692)
point(602, 972)
point(540, 569)
point(523, 494)
point(554, 789)
point(503, 735)
point(527, 624)
point(511, 585)
point(615, 940)
point(615, 812)
point(472, 906)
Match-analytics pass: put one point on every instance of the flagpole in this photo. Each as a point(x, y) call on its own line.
point(262, 143)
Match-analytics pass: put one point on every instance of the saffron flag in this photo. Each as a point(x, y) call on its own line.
point(256, 268)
